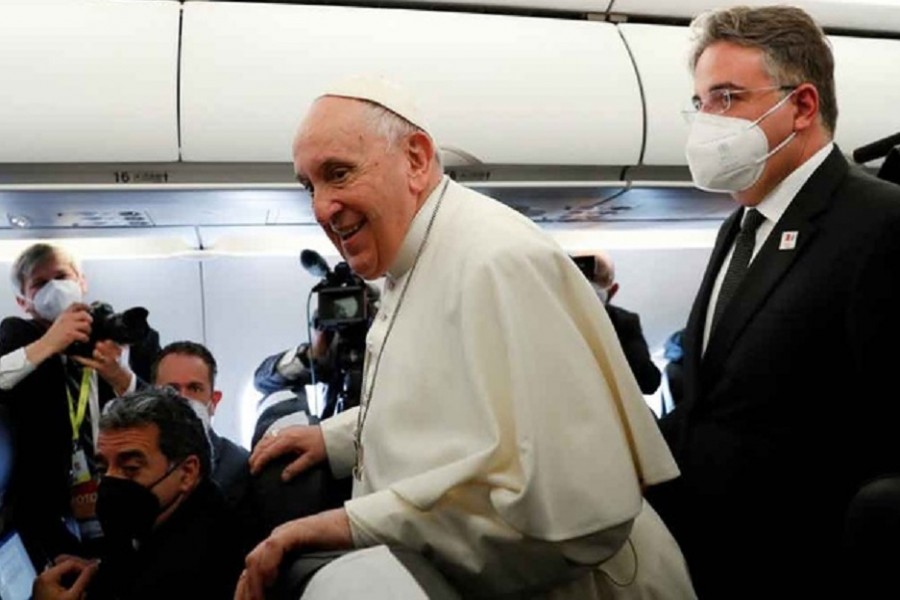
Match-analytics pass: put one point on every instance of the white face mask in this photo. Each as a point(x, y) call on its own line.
point(728, 154)
point(201, 409)
point(602, 292)
point(55, 297)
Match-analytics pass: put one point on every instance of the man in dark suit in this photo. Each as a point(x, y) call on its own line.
point(626, 323)
point(54, 403)
point(789, 361)
point(190, 369)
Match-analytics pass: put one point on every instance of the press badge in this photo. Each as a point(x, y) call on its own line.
point(84, 509)
point(81, 472)
point(788, 240)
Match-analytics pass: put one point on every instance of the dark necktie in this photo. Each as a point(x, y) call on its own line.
point(740, 261)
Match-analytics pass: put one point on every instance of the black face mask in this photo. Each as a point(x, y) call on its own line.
point(126, 509)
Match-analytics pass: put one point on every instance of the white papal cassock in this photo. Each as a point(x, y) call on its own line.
point(506, 438)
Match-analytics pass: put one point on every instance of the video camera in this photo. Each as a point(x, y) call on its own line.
point(343, 298)
point(346, 307)
point(129, 327)
point(586, 264)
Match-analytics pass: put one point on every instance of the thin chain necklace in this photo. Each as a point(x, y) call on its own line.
point(367, 398)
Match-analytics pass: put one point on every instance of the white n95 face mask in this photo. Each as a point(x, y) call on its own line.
point(602, 292)
point(728, 154)
point(202, 411)
point(56, 296)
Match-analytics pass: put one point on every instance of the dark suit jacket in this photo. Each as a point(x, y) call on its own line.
point(42, 433)
point(231, 469)
point(628, 329)
point(792, 406)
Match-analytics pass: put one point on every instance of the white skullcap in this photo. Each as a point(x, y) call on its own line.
point(381, 91)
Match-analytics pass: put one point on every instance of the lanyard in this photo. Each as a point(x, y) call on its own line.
point(76, 414)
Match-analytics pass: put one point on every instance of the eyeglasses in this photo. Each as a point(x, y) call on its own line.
point(719, 101)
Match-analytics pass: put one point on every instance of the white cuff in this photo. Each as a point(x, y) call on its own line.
point(339, 432)
point(290, 366)
point(373, 512)
point(14, 367)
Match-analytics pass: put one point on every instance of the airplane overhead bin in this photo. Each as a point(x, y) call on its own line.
point(584, 6)
point(104, 92)
point(498, 90)
point(88, 82)
point(97, 82)
point(881, 16)
point(660, 58)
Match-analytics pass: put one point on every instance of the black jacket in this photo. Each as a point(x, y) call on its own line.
point(198, 552)
point(791, 408)
point(38, 494)
point(231, 469)
point(628, 329)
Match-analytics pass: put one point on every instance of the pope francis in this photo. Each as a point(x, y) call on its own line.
point(500, 433)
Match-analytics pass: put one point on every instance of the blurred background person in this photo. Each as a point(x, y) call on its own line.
point(601, 272)
point(190, 369)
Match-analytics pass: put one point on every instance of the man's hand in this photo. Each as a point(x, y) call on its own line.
point(307, 441)
point(48, 585)
point(329, 530)
point(321, 344)
point(73, 325)
point(106, 362)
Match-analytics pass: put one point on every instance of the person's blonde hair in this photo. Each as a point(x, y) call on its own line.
point(33, 257)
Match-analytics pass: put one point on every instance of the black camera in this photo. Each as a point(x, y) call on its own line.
point(344, 299)
point(586, 264)
point(346, 307)
point(129, 327)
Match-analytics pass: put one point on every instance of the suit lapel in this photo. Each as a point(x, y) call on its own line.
point(693, 335)
point(772, 263)
point(693, 341)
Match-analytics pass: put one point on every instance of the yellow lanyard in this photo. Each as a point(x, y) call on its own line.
point(76, 414)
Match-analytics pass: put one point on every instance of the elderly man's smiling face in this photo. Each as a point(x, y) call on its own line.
point(365, 194)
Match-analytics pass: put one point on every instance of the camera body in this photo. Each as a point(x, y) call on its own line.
point(344, 300)
point(586, 264)
point(346, 307)
point(128, 327)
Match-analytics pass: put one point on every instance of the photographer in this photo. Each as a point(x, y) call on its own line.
point(54, 401)
point(335, 356)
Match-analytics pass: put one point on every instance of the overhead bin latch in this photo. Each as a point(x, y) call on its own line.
point(607, 17)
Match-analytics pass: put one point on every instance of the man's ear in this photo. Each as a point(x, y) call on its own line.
point(612, 291)
point(23, 304)
point(190, 473)
point(420, 152)
point(806, 99)
point(214, 402)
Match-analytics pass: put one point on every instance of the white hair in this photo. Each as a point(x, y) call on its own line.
point(394, 128)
